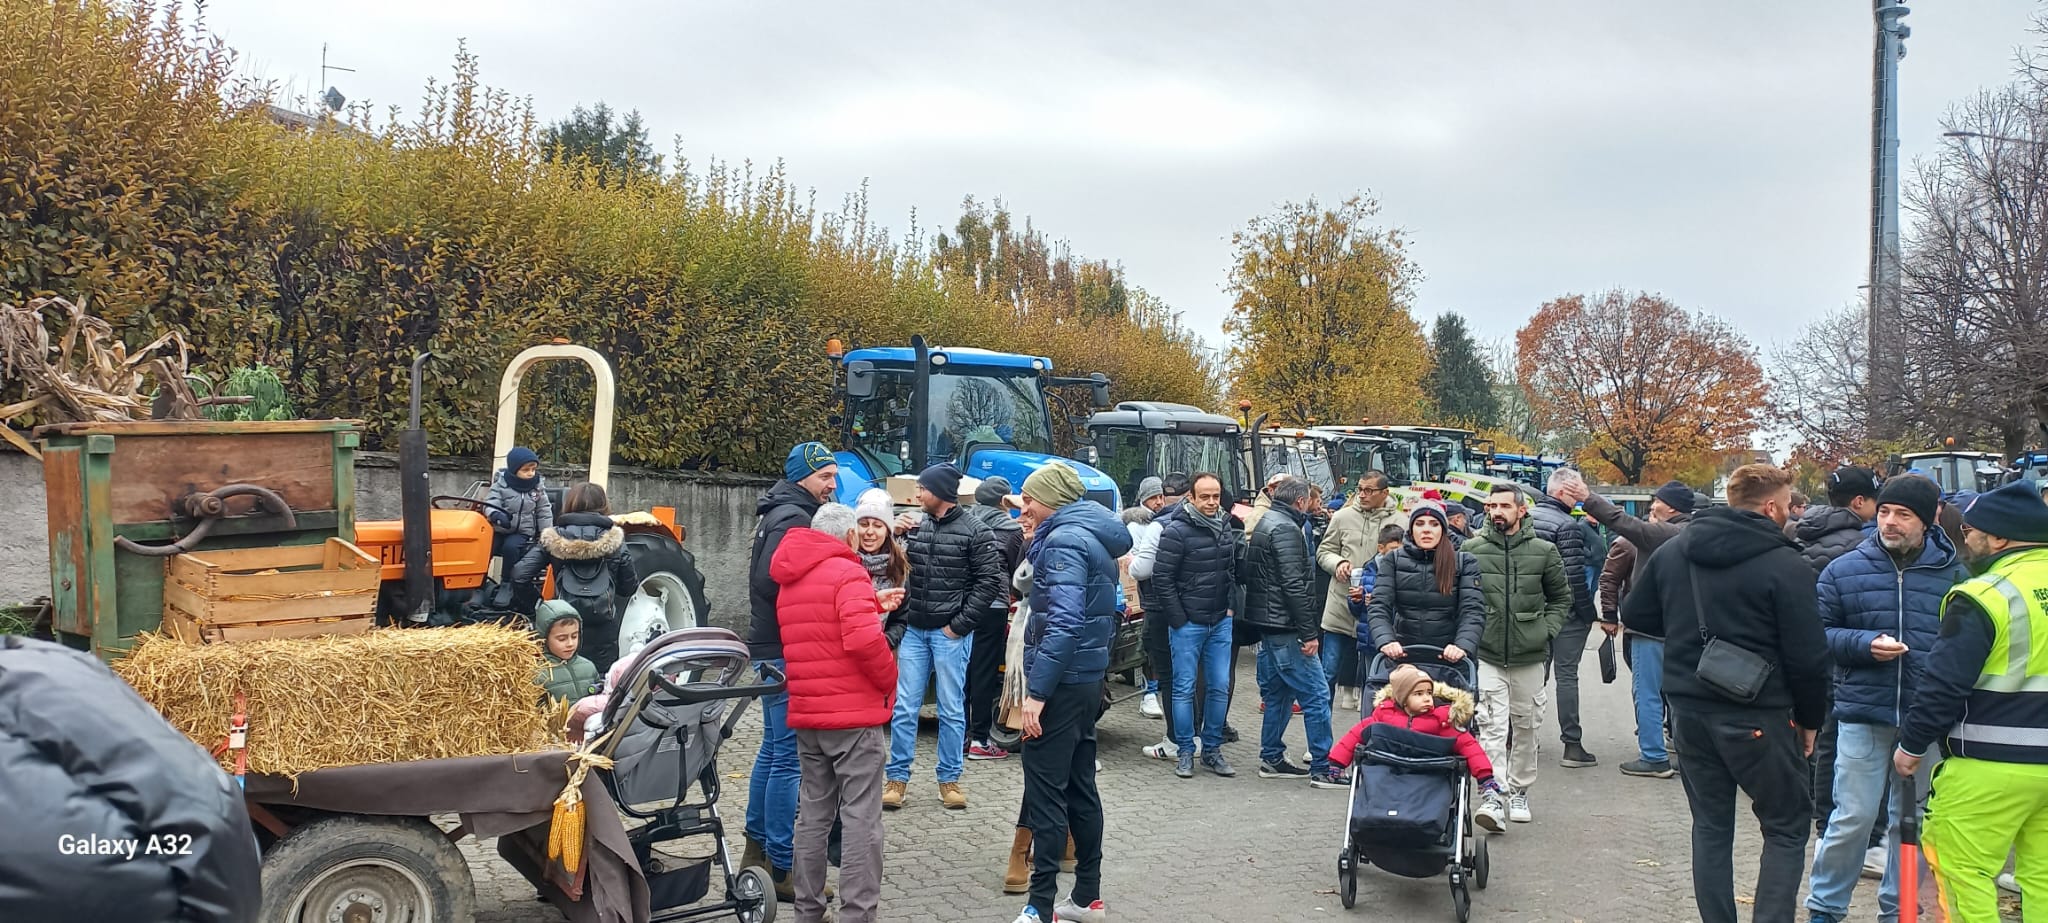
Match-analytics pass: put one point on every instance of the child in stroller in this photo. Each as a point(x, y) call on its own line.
point(1411, 700)
point(1414, 767)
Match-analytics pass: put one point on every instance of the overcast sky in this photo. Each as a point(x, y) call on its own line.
point(1717, 153)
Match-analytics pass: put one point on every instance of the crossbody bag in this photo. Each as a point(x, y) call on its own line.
point(1729, 668)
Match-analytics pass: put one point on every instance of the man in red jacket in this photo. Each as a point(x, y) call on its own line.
point(842, 686)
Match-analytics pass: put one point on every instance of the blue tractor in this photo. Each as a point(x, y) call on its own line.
point(910, 407)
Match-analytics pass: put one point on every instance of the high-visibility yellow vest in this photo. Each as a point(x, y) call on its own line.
point(2007, 717)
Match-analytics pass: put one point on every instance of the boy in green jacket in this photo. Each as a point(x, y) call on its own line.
point(563, 674)
point(1527, 601)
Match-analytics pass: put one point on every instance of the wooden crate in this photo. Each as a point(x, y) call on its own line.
point(292, 591)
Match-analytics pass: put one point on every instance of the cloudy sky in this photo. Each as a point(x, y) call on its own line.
point(1717, 153)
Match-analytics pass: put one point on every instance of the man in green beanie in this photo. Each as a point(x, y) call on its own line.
point(1066, 652)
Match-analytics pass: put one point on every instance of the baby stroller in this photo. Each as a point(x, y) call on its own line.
point(1411, 796)
point(681, 697)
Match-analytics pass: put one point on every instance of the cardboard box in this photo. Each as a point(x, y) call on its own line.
point(903, 490)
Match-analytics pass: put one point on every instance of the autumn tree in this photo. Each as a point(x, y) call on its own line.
point(1459, 383)
point(1320, 321)
point(1654, 386)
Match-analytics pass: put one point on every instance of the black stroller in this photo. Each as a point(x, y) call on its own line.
point(680, 698)
point(1411, 796)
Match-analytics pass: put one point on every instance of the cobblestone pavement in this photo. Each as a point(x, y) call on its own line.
point(1604, 847)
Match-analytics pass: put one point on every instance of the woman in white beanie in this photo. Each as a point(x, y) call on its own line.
point(882, 555)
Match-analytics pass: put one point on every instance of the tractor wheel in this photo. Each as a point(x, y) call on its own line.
point(370, 868)
point(670, 596)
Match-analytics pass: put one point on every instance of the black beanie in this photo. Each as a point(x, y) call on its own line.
point(1676, 496)
point(2013, 512)
point(1913, 492)
point(941, 481)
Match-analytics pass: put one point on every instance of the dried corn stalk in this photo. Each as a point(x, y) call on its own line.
point(85, 374)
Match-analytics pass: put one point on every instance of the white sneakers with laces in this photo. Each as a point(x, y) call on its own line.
point(1066, 911)
point(1518, 808)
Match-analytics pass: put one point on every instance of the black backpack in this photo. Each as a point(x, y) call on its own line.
point(587, 585)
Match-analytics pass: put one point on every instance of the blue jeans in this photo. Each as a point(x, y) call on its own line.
point(1205, 648)
point(1330, 654)
point(772, 792)
point(1863, 759)
point(1287, 675)
point(1646, 679)
point(917, 657)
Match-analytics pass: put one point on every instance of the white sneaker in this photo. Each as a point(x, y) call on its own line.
point(1873, 862)
point(1492, 815)
point(1149, 707)
point(1163, 750)
point(2007, 883)
point(1518, 808)
point(1066, 910)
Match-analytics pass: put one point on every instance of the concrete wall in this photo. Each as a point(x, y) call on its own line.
point(716, 509)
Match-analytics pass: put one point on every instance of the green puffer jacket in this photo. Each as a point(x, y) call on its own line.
point(1527, 595)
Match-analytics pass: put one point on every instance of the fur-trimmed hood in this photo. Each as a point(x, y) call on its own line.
point(583, 537)
point(1458, 708)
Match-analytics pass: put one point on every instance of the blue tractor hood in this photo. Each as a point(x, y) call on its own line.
point(856, 476)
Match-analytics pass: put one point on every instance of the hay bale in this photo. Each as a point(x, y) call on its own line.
point(384, 696)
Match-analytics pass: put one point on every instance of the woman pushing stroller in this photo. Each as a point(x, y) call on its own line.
point(1413, 701)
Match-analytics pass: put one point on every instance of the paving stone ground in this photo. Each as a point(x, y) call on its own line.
point(1604, 847)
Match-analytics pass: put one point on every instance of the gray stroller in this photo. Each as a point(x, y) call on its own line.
point(680, 698)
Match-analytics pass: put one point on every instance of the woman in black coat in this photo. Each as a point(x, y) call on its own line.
point(1426, 592)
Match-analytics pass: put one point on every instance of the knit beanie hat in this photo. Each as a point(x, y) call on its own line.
point(942, 481)
point(991, 491)
point(1057, 485)
point(1402, 682)
point(2014, 512)
point(1676, 496)
point(874, 503)
point(1429, 508)
point(807, 459)
point(1915, 493)
point(1149, 488)
point(520, 457)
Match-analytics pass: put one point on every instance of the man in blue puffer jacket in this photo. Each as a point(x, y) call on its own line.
point(1881, 606)
point(1066, 651)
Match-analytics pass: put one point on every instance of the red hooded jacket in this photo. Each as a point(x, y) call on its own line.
point(842, 674)
point(1435, 722)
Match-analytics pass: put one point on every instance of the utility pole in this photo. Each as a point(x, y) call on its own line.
point(1887, 357)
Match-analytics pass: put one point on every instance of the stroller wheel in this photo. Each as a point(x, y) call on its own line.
point(1461, 899)
point(1481, 865)
point(754, 892)
point(1347, 884)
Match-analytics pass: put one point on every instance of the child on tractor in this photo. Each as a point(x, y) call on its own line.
point(563, 674)
point(593, 571)
point(519, 509)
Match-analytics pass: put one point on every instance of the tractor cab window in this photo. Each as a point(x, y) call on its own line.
point(1124, 454)
point(1397, 459)
point(1181, 453)
point(980, 407)
point(878, 426)
point(1444, 456)
point(1359, 457)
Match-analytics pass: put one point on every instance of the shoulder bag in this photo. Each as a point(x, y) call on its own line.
point(1736, 672)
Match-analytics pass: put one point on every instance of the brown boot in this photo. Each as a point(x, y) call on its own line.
point(1017, 880)
point(1068, 862)
point(753, 856)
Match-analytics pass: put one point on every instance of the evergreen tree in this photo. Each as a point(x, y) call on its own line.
point(617, 150)
point(1459, 382)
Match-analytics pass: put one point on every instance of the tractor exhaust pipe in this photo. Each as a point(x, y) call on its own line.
point(416, 508)
point(920, 405)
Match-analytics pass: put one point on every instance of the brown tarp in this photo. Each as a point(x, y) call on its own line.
point(510, 797)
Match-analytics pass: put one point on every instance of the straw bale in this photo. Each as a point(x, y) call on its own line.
point(383, 696)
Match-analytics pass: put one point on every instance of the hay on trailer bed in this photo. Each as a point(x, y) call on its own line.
point(388, 695)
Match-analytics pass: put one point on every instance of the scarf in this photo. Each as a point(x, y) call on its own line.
point(877, 564)
point(520, 484)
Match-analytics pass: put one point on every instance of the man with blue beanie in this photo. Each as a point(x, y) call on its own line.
point(1984, 697)
point(810, 475)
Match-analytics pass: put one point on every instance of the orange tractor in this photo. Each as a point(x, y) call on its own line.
point(452, 537)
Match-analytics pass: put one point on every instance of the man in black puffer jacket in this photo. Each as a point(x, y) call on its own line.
point(1193, 582)
point(1758, 596)
point(984, 676)
point(810, 475)
point(956, 576)
point(1280, 604)
point(89, 772)
point(1554, 522)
